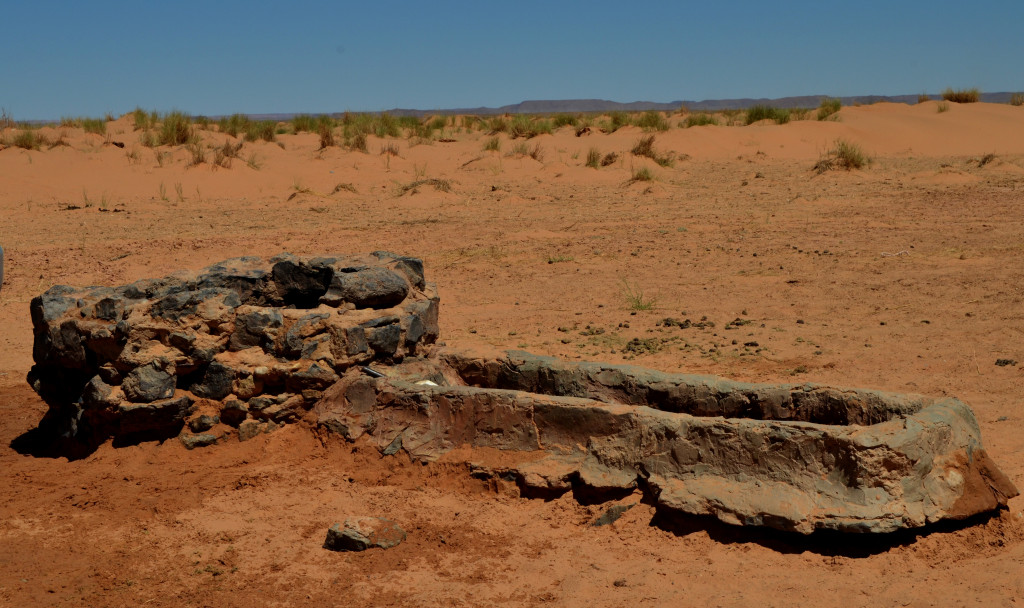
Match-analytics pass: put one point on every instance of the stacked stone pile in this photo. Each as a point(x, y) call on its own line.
point(245, 342)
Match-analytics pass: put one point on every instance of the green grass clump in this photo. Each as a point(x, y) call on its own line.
point(94, 125)
point(943, 106)
point(325, 129)
point(305, 122)
point(845, 155)
point(28, 139)
point(829, 107)
point(594, 158)
point(562, 120)
point(493, 145)
point(522, 125)
point(700, 119)
point(760, 112)
point(635, 298)
point(1017, 99)
point(923, 97)
point(261, 129)
point(962, 95)
point(645, 147)
point(175, 129)
point(643, 174)
point(357, 142)
point(617, 120)
point(652, 121)
point(144, 120)
point(234, 124)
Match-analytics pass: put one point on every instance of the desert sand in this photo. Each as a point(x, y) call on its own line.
point(906, 276)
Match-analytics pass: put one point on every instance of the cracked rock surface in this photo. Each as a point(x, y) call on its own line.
point(244, 341)
point(792, 457)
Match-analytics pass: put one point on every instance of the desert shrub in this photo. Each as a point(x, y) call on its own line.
point(197, 154)
point(609, 159)
point(845, 155)
point(923, 97)
point(28, 139)
point(358, 142)
point(386, 125)
point(1017, 99)
point(325, 130)
point(829, 107)
point(261, 129)
point(761, 112)
point(497, 124)
point(617, 120)
point(519, 149)
point(594, 158)
point(390, 149)
point(233, 125)
point(643, 174)
point(141, 120)
point(700, 119)
point(94, 125)
point(562, 120)
point(522, 125)
point(6, 121)
point(222, 156)
point(304, 122)
point(493, 145)
point(175, 129)
point(202, 122)
point(645, 147)
point(943, 106)
point(652, 121)
point(962, 95)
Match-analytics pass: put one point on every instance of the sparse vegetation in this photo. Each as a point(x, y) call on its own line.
point(325, 129)
point(234, 124)
point(943, 106)
point(358, 142)
point(561, 120)
point(652, 121)
point(593, 158)
point(441, 185)
point(305, 122)
point(760, 112)
point(645, 147)
point(141, 119)
point(986, 159)
point(643, 174)
point(390, 149)
point(828, 108)
point(962, 95)
point(28, 139)
point(635, 298)
point(197, 153)
point(609, 159)
point(1017, 99)
point(493, 145)
point(699, 120)
point(6, 122)
point(175, 129)
point(261, 129)
point(222, 156)
point(616, 120)
point(923, 97)
point(845, 155)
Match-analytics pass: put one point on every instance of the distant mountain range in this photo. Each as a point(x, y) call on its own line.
point(554, 106)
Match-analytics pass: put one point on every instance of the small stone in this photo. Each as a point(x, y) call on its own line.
point(203, 423)
point(149, 383)
point(198, 441)
point(234, 412)
point(612, 514)
point(362, 533)
point(249, 429)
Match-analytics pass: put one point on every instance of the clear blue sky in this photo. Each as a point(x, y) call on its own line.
point(87, 58)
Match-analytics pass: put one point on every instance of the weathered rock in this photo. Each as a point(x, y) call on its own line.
point(362, 533)
point(612, 514)
point(198, 441)
point(236, 331)
point(794, 457)
point(203, 423)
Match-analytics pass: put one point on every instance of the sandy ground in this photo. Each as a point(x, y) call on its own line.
point(905, 276)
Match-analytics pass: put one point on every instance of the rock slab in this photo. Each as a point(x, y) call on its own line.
point(362, 533)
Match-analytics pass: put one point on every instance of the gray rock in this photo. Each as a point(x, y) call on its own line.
point(149, 382)
point(215, 383)
point(203, 423)
point(368, 287)
point(250, 428)
point(164, 417)
point(794, 457)
point(612, 514)
point(198, 441)
point(234, 412)
point(362, 533)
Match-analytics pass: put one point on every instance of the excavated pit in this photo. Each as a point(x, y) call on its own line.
point(246, 345)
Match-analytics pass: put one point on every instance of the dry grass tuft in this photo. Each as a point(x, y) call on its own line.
point(844, 155)
point(962, 95)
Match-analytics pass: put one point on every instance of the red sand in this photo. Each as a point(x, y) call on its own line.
point(920, 291)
